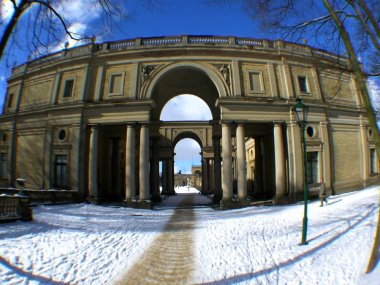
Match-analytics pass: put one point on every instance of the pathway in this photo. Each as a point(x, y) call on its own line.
point(170, 258)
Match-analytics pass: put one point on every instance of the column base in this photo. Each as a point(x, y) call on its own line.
point(168, 193)
point(282, 200)
point(129, 203)
point(144, 205)
point(234, 204)
point(138, 204)
point(217, 198)
point(93, 200)
point(156, 199)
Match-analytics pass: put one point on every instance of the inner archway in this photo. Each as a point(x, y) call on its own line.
point(187, 166)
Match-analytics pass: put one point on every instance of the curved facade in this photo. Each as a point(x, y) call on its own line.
point(86, 119)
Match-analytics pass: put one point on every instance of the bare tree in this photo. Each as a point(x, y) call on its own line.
point(45, 24)
point(348, 27)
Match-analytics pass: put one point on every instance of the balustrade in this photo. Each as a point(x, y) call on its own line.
point(14, 208)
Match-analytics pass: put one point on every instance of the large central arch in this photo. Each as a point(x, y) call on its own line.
point(203, 81)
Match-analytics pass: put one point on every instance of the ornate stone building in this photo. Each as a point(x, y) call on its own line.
point(193, 179)
point(85, 121)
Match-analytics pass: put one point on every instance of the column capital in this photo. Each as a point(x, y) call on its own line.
point(94, 125)
point(130, 123)
point(144, 124)
point(278, 123)
point(226, 122)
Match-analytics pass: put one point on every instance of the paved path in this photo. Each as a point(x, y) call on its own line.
point(170, 258)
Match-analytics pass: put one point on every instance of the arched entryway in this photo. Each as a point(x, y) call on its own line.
point(139, 156)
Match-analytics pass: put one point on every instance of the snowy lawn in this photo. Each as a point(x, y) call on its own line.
point(88, 244)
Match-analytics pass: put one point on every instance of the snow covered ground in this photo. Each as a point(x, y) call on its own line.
point(88, 244)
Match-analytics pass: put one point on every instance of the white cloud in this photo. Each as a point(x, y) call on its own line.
point(78, 14)
point(186, 108)
point(374, 90)
point(6, 10)
point(80, 11)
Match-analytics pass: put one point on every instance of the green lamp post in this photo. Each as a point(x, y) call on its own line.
point(301, 111)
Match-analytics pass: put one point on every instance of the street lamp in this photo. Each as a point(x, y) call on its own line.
point(301, 112)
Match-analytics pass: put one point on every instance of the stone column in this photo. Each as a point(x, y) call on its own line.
point(156, 169)
point(258, 174)
point(279, 160)
point(227, 162)
point(93, 164)
point(164, 176)
point(217, 170)
point(241, 162)
point(130, 158)
point(170, 177)
point(144, 163)
point(204, 176)
point(211, 184)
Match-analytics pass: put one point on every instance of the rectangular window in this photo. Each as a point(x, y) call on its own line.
point(10, 100)
point(372, 153)
point(116, 84)
point(61, 171)
point(69, 87)
point(255, 81)
point(312, 167)
point(3, 166)
point(302, 83)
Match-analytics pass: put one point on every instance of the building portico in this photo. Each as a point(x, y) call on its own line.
point(87, 120)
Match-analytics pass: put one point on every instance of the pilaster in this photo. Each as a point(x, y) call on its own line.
point(365, 153)
point(99, 83)
point(236, 78)
point(56, 87)
point(287, 80)
point(326, 156)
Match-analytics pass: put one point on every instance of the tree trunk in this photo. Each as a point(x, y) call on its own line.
point(368, 107)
